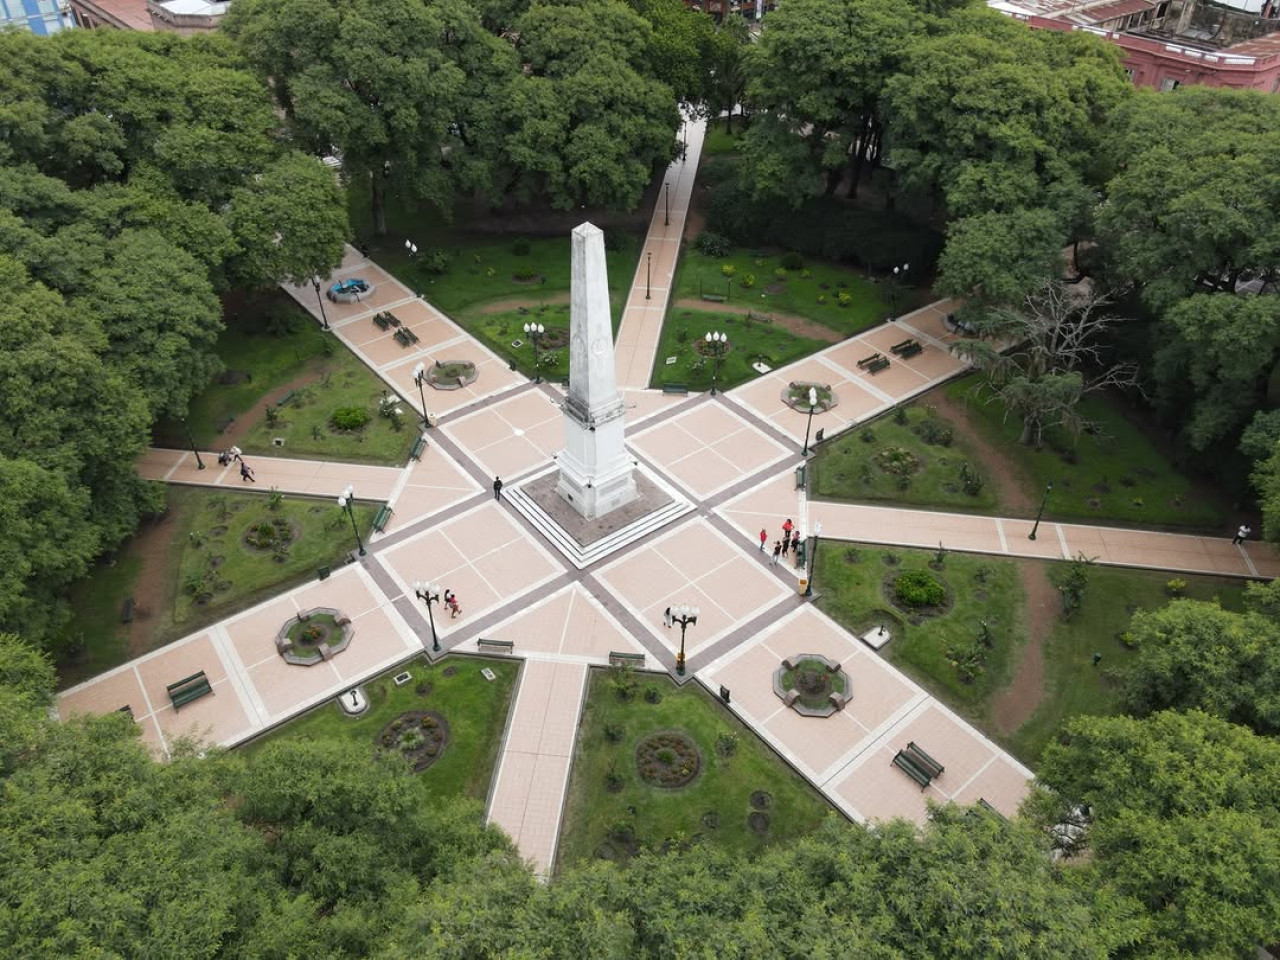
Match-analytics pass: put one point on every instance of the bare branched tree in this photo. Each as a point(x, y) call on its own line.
point(1043, 358)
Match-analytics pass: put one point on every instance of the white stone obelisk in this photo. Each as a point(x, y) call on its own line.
point(595, 469)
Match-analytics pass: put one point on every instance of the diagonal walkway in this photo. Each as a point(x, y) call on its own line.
point(307, 477)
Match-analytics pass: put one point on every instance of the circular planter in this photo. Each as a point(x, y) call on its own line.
point(796, 396)
point(668, 759)
point(420, 736)
point(451, 374)
point(812, 685)
point(320, 633)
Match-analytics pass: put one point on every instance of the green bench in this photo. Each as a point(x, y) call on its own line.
point(380, 321)
point(924, 761)
point(868, 361)
point(760, 317)
point(904, 763)
point(418, 446)
point(127, 710)
point(800, 472)
point(618, 658)
point(675, 388)
point(506, 646)
point(126, 610)
point(383, 515)
point(907, 349)
point(189, 688)
point(877, 365)
point(284, 401)
point(714, 297)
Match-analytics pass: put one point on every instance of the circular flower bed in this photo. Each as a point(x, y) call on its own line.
point(451, 374)
point(269, 534)
point(320, 628)
point(796, 396)
point(668, 759)
point(919, 588)
point(419, 736)
point(814, 682)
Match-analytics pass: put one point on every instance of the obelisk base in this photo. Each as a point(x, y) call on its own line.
point(593, 495)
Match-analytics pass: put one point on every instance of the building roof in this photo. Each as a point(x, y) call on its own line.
point(128, 14)
point(1268, 46)
point(1112, 11)
point(195, 8)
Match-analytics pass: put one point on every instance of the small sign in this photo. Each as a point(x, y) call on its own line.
point(724, 693)
point(760, 367)
point(402, 678)
point(517, 344)
point(488, 674)
point(671, 360)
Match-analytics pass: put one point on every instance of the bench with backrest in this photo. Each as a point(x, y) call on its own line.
point(907, 348)
point(506, 646)
point(284, 401)
point(875, 366)
point(760, 317)
point(902, 345)
point(409, 335)
point(380, 320)
point(714, 297)
point(675, 388)
point(419, 445)
point(902, 760)
point(126, 610)
point(925, 762)
point(401, 338)
point(189, 688)
point(382, 518)
point(800, 474)
point(868, 361)
point(619, 658)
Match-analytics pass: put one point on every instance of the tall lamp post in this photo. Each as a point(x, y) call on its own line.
point(534, 332)
point(324, 318)
point(1043, 500)
point(648, 275)
point(420, 378)
point(412, 248)
point(666, 189)
point(345, 501)
point(683, 615)
point(813, 559)
point(717, 342)
point(192, 440)
point(899, 279)
point(429, 593)
point(813, 407)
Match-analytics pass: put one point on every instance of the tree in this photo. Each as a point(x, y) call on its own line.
point(1194, 655)
point(725, 68)
point(1266, 481)
point(999, 258)
point(680, 46)
point(1181, 812)
point(1056, 359)
point(818, 75)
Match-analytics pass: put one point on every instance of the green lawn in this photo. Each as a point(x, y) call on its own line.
point(502, 329)
point(713, 808)
point(853, 579)
point(1116, 475)
point(215, 562)
point(684, 330)
point(305, 423)
point(96, 640)
point(474, 708)
point(1073, 685)
point(719, 141)
point(796, 294)
point(860, 464)
point(268, 340)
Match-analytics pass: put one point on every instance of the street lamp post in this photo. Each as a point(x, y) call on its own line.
point(534, 332)
point(899, 279)
point(648, 275)
point(1043, 500)
point(683, 615)
point(429, 593)
point(813, 559)
point(420, 378)
point(412, 247)
point(192, 440)
point(718, 342)
point(324, 318)
point(667, 193)
point(813, 406)
point(345, 501)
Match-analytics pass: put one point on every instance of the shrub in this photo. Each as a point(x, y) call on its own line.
point(728, 269)
point(713, 244)
point(900, 417)
point(748, 281)
point(780, 273)
point(727, 744)
point(614, 732)
point(822, 298)
point(520, 248)
point(971, 480)
point(435, 261)
point(898, 462)
point(844, 298)
point(349, 418)
point(652, 694)
point(868, 435)
point(411, 740)
point(806, 274)
point(612, 241)
point(526, 274)
point(792, 261)
point(919, 588)
point(1176, 587)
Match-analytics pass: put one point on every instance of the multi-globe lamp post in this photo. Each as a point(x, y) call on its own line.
point(813, 407)
point(420, 378)
point(346, 501)
point(899, 283)
point(411, 248)
point(534, 332)
point(686, 616)
point(429, 593)
point(1040, 513)
point(324, 318)
point(717, 343)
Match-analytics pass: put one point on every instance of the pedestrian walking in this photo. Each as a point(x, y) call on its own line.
point(666, 618)
point(1243, 533)
point(795, 543)
point(235, 454)
point(451, 601)
point(777, 552)
point(764, 538)
point(786, 531)
point(497, 488)
point(246, 473)
point(224, 458)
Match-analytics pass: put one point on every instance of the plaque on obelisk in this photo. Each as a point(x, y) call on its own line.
point(596, 473)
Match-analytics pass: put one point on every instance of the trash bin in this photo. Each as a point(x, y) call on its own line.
point(803, 586)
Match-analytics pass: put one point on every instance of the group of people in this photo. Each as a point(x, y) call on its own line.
point(451, 601)
point(790, 540)
point(232, 455)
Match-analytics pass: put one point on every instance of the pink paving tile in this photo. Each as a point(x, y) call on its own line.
point(105, 694)
point(345, 591)
point(188, 471)
point(818, 742)
point(560, 725)
point(388, 350)
point(590, 633)
point(427, 556)
point(515, 567)
point(704, 473)
point(359, 333)
point(414, 503)
point(547, 436)
point(155, 463)
point(695, 548)
point(749, 450)
point(475, 597)
point(899, 380)
point(214, 718)
point(177, 662)
point(877, 790)
point(749, 678)
point(540, 629)
point(511, 791)
point(253, 634)
point(541, 824)
point(667, 442)
point(950, 741)
point(150, 733)
point(642, 575)
point(283, 687)
point(537, 679)
point(375, 642)
point(1000, 783)
point(739, 586)
point(879, 691)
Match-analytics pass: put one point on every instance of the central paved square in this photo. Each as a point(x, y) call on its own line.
point(693, 564)
point(707, 448)
point(513, 436)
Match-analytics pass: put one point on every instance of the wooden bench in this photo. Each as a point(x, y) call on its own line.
point(990, 809)
point(126, 610)
point(618, 658)
point(867, 361)
point(284, 401)
point(409, 335)
point(380, 320)
point(506, 646)
point(924, 761)
point(415, 453)
point(912, 351)
point(675, 388)
point(903, 762)
point(877, 365)
point(381, 518)
point(715, 297)
point(126, 710)
point(800, 472)
point(392, 319)
point(899, 347)
point(760, 317)
point(189, 688)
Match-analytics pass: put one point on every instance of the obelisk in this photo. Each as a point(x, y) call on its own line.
point(595, 469)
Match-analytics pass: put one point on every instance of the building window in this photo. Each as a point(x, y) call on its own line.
point(1162, 8)
point(1130, 73)
point(1168, 84)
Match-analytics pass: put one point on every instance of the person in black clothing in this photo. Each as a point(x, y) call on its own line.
point(497, 488)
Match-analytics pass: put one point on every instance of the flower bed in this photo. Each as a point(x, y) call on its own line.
point(668, 759)
point(420, 736)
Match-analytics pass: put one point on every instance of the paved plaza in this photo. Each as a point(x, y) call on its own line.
point(733, 456)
